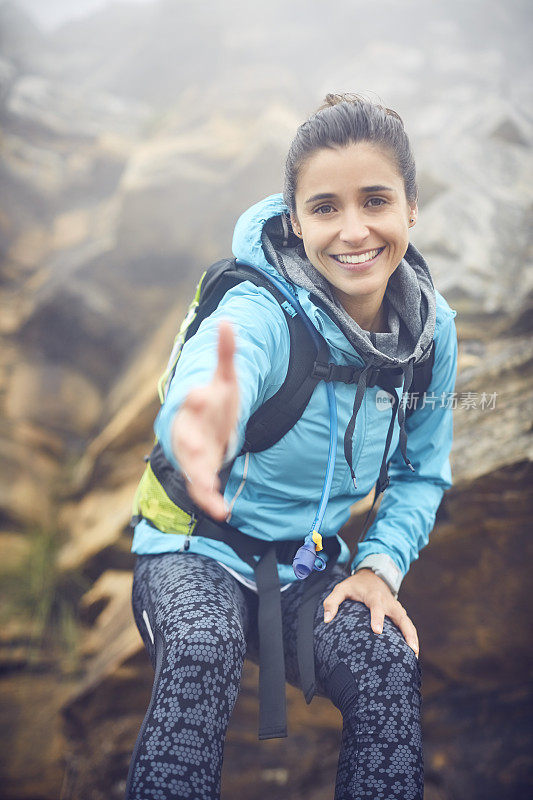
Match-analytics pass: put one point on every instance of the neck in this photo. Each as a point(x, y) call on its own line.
point(369, 313)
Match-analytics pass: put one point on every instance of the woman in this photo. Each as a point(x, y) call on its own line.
point(339, 238)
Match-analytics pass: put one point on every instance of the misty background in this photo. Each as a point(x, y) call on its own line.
point(132, 136)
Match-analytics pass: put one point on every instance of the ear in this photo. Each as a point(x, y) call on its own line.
point(296, 225)
point(413, 214)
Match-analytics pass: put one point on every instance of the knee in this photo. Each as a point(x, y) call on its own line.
point(392, 667)
point(384, 666)
point(342, 689)
point(205, 642)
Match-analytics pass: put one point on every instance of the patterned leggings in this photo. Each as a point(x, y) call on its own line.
point(203, 623)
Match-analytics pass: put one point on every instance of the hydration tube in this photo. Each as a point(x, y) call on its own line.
point(306, 558)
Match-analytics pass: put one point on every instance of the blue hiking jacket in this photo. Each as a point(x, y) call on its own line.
point(274, 494)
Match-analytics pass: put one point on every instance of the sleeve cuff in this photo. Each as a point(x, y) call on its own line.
point(385, 568)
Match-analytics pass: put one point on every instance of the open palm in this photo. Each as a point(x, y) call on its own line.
point(203, 427)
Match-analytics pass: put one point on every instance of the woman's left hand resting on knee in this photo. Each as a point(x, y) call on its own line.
point(368, 588)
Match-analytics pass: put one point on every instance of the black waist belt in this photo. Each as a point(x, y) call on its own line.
point(264, 556)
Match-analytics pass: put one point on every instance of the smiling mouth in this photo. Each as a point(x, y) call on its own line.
point(358, 259)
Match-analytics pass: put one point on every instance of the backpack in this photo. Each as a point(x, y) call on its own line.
point(161, 496)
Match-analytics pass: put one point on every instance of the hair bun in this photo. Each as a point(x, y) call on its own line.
point(333, 99)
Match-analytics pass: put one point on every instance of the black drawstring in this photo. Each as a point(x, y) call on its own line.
point(383, 479)
point(407, 370)
point(348, 435)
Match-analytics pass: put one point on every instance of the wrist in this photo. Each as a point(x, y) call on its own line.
point(385, 568)
point(380, 577)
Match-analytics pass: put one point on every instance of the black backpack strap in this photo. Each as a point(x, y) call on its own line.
point(315, 584)
point(422, 374)
point(263, 556)
point(282, 411)
point(218, 279)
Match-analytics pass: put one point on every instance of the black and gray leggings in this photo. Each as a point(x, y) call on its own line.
point(203, 621)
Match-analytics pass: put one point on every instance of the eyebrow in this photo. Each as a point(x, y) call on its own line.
point(365, 189)
point(323, 196)
point(377, 188)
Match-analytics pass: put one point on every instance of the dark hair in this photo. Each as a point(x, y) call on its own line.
point(345, 119)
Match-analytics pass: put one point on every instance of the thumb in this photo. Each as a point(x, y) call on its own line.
point(226, 351)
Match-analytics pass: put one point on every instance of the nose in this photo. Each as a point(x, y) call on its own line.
point(354, 227)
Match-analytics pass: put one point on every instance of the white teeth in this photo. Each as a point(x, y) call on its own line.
point(358, 259)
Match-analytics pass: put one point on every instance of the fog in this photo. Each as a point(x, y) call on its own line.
point(134, 134)
point(51, 14)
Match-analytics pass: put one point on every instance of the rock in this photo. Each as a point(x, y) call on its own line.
point(27, 251)
point(430, 187)
point(62, 109)
point(101, 726)
point(130, 410)
point(97, 525)
point(173, 176)
point(510, 131)
point(114, 638)
point(14, 549)
point(7, 76)
point(494, 408)
point(113, 652)
point(26, 480)
point(73, 325)
point(20, 38)
point(37, 438)
point(490, 764)
point(468, 591)
point(51, 394)
point(32, 741)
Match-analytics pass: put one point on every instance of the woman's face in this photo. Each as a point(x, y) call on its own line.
point(354, 218)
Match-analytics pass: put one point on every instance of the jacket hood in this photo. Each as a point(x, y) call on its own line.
point(263, 237)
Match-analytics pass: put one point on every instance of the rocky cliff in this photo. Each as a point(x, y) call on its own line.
point(130, 143)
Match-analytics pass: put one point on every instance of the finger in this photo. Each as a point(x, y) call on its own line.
point(226, 351)
point(207, 497)
point(399, 616)
point(332, 602)
point(213, 504)
point(202, 479)
point(377, 616)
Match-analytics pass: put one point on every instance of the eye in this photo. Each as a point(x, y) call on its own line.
point(375, 202)
point(323, 209)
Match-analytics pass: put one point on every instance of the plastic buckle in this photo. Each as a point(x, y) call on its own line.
point(322, 371)
point(371, 377)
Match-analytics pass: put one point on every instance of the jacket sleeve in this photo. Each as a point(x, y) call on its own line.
point(407, 512)
point(262, 353)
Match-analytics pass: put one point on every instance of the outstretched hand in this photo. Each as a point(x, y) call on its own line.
point(368, 588)
point(203, 427)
